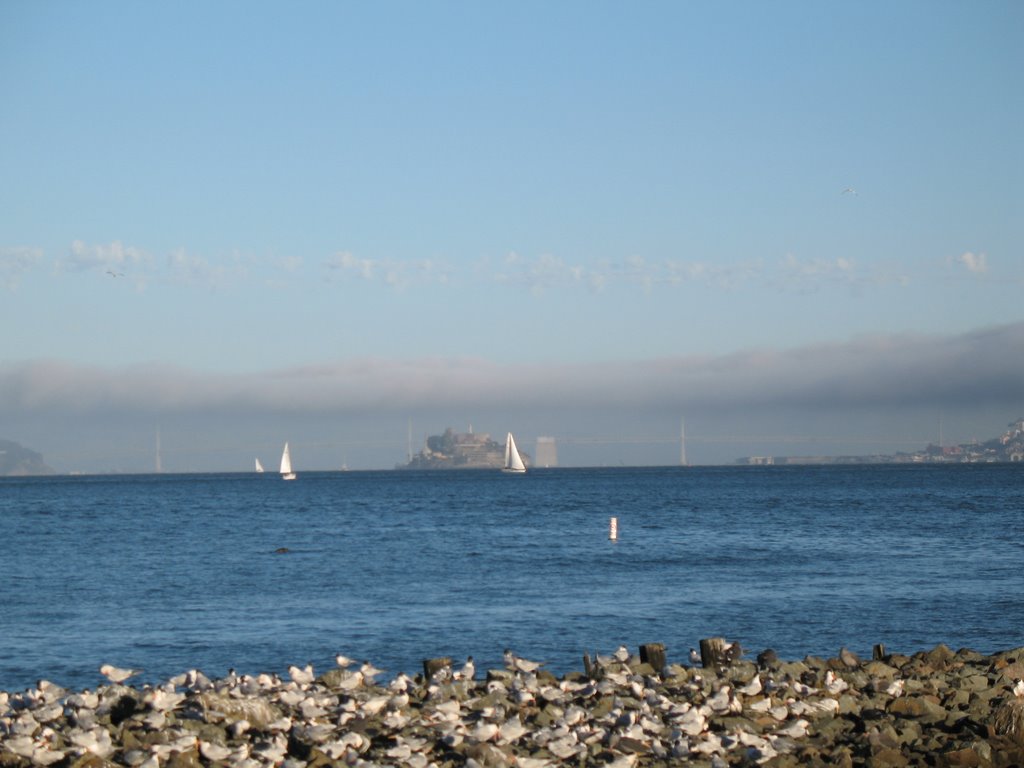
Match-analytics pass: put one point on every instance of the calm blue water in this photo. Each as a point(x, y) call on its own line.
point(170, 572)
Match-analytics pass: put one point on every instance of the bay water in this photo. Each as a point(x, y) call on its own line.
point(172, 572)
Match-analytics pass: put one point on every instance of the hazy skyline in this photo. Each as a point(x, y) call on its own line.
point(797, 225)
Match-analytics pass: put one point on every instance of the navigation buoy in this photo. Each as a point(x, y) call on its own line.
point(613, 528)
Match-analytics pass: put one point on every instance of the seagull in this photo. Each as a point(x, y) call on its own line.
point(112, 273)
point(369, 671)
point(849, 191)
point(301, 675)
point(895, 688)
point(694, 656)
point(732, 651)
point(468, 670)
point(752, 688)
point(400, 684)
point(484, 732)
point(795, 730)
point(835, 684)
point(803, 689)
point(164, 700)
point(215, 753)
point(516, 664)
point(343, 661)
point(117, 675)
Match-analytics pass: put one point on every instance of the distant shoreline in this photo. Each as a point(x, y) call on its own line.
point(739, 464)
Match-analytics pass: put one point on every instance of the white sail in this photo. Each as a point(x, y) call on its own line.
point(259, 466)
point(513, 461)
point(286, 465)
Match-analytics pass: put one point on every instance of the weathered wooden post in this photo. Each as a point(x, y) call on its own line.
point(432, 667)
point(878, 652)
point(653, 654)
point(713, 652)
point(587, 666)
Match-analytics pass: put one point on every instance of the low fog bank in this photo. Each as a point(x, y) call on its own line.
point(870, 395)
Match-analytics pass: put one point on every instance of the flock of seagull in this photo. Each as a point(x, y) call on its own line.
point(517, 716)
point(264, 716)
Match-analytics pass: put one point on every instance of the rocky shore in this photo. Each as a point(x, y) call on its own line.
point(934, 708)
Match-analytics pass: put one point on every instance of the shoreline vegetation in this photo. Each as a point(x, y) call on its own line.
point(932, 708)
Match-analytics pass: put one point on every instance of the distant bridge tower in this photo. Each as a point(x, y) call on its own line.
point(682, 443)
point(547, 453)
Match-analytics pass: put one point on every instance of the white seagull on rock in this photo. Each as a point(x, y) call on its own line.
point(116, 674)
point(468, 670)
point(369, 672)
point(517, 664)
point(301, 675)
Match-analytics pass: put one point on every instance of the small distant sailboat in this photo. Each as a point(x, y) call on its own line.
point(259, 466)
point(286, 465)
point(513, 461)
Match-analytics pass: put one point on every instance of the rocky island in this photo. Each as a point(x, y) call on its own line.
point(454, 450)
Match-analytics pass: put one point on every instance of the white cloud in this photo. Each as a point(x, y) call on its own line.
point(549, 272)
point(291, 263)
point(191, 268)
point(395, 273)
point(16, 261)
point(816, 267)
point(973, 262)
point(348, 264)
point(537, 275)
point(114, 256)
point(141, 267)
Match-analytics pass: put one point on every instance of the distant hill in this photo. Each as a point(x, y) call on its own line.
point(16, 460)
point(1008, 447)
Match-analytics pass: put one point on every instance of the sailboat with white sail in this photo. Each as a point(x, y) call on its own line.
point(259, 464)
point(286, 465)
point(513, 461)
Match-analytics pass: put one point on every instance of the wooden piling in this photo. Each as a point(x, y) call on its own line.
point(653, 654)
point(714, 652)
point(432, 666)
point(878, 652)
point(587, 666)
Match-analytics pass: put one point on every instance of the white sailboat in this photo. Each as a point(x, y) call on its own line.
point(513, 461)
point(286, 465)
point(259, 465)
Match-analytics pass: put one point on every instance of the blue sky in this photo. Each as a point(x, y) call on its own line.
point(365, 213)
